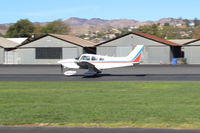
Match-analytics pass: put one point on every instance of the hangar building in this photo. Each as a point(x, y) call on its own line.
point(192, 52)
point(50, 48)
point(156, 51)
point(6, 47)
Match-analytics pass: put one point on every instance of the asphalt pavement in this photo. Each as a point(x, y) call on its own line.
point(137, 73)
point(139, 69)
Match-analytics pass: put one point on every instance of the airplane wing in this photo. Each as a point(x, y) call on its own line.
point(92, 70)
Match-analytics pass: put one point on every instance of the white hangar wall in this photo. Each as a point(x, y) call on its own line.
point(192, 52)
point(30, 53)
point(1, 55)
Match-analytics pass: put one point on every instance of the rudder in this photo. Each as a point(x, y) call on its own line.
point(135, 55)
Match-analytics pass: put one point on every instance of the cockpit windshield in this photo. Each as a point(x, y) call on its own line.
point(86, 58)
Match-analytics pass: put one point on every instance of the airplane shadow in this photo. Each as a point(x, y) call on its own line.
point(114, 75)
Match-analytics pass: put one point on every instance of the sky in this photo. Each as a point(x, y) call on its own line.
point(142, 10)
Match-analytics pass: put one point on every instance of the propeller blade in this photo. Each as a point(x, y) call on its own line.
point(62, 68)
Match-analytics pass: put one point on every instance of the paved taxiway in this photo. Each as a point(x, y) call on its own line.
point(89, 130)
point(138, 73)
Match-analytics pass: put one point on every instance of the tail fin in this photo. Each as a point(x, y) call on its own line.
point(135, 55)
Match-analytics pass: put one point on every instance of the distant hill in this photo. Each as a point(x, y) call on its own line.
point(4, 28)
point(83, 26)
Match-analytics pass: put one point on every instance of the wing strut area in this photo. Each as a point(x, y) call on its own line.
point(92, 70)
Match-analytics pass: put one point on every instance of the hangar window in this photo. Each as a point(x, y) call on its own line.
point(48, 53)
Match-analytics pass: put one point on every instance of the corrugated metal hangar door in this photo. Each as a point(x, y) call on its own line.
point(1, 55)
point(69, 53)
point(157, 55)
point(114, 51)
point(192, 54)
point(123, 51)
point(108, 51)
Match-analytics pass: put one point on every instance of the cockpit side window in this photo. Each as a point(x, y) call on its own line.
point(94, 58)
point(85, 58)
point(101, 59)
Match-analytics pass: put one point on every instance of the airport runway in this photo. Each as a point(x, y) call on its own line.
point(138, 73)
point(89, 130)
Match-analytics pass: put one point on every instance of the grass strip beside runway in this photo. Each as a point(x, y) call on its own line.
point(106, 104)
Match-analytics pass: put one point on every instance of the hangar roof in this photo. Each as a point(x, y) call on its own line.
point(75, 40)
point(182, 41)
point(5, 43)
point(67, 38)
point(147, 36)
point(188, 43)
point(17, 40)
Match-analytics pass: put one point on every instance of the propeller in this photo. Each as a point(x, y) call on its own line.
point(62, 68)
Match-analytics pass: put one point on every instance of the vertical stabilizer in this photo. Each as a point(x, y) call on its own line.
point(135, 55)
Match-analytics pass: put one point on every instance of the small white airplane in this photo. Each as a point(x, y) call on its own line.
point(96, 63)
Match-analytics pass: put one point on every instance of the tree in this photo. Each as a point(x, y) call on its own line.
point(187, 22)
point(57, 27)
point(166, 32)
point(23, 28)
point(150, 29)
point(166, 24)
point(1, 35)
point(37, 31)
point(196, 34)
point(196, 22)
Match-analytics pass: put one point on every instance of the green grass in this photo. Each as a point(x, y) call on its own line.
point(106, 104)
